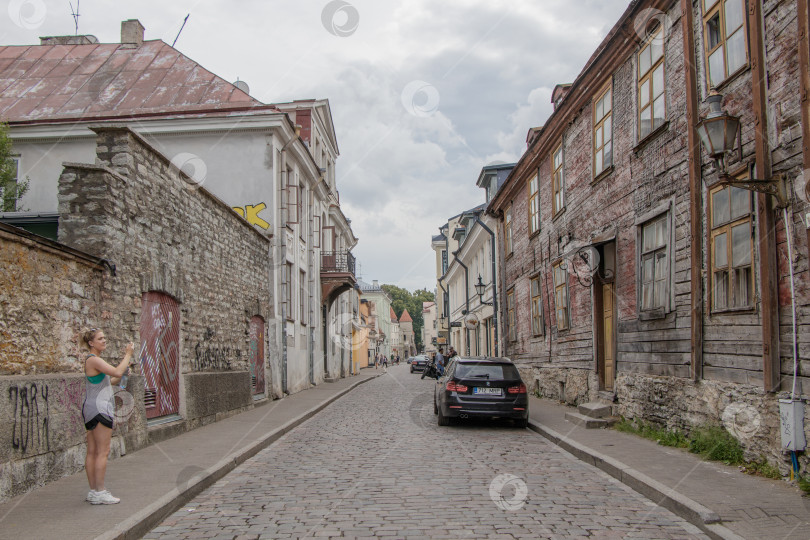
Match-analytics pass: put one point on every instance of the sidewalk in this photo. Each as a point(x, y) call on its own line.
point(156, 481)
point(721, 500)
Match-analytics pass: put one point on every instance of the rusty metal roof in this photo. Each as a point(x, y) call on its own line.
point(95, 81)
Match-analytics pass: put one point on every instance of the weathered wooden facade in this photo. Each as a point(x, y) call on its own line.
point(630, 271)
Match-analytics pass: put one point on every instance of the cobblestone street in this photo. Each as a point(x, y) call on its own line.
point(375, 464)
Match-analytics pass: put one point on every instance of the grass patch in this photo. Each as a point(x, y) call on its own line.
point(804, 484)
point(762, 468)
point(663, 437)
point(716, 444)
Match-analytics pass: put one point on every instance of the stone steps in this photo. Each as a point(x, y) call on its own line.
point(593, 415)
point(589, 422)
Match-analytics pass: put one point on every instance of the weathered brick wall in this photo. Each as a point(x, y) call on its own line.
point(649, 177)
point(609, 206)
point(784, 126)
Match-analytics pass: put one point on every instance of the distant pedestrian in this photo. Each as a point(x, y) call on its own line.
point(98, 411)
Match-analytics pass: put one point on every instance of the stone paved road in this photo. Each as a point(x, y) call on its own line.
point(368, 466)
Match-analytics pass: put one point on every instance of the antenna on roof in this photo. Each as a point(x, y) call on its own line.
point(181, 28)
point(75, 14)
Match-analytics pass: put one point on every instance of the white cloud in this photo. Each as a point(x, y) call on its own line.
point(400, 176)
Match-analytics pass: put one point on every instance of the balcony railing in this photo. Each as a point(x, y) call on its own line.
point(334, 262)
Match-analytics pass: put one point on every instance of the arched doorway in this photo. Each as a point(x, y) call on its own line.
point(160, 354)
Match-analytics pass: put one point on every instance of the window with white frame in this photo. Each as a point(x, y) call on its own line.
point(732, 249)
point(537, 306)
point(725, 38)
point(603, 131)
point(652, 107)
point(654, 263)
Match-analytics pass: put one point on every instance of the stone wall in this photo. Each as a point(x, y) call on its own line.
point(746, 411)
point(130, 224)
point(47, 293)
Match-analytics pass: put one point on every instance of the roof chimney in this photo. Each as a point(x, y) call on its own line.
point(132, 33)
point(375, 284)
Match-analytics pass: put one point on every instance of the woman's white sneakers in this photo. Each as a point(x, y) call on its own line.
point(101, 497)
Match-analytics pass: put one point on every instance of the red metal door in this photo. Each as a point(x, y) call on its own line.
point(160, 354)
point(257, 354)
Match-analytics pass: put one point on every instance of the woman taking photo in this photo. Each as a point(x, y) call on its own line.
point(99, 410)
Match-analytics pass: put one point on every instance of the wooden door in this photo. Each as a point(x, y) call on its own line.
point(608, 333)
point(160, 354)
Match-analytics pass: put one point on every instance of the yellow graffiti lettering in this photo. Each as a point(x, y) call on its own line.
point(251, 213)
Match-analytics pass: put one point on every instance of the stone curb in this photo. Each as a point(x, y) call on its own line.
point(147, 519)
point(695, 513)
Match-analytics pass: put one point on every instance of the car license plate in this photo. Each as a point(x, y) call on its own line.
point(489, 391)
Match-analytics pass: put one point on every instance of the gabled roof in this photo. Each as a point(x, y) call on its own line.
point(393, 315)
point(405, 317)
point(93, 80)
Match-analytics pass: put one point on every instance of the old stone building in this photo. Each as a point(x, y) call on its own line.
point(144, 259)
point(639, 270)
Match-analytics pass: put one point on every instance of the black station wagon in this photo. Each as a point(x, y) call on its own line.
point(481, 387)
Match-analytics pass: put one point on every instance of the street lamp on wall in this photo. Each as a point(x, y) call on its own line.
point(718, 132)
point(480, 287)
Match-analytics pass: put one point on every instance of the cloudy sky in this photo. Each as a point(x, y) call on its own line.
point(423, 93)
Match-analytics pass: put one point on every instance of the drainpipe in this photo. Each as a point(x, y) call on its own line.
point(494, 281)
point(467, 298)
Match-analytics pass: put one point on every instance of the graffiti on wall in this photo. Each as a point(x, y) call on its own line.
point(251, 213)
point(29, 427)
point(71, 399)
point(209, 356)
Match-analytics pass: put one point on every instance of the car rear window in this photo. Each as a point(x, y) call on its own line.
point(487, 371)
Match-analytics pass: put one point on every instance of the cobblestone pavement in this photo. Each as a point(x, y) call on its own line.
point(369, 466)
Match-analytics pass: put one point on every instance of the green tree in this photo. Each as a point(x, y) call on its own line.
point(11, 188)
point(402, 299)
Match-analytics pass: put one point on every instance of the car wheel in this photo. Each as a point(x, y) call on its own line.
point(522, 423)
point(411, 370)
point(435, 407)
point(443, 420)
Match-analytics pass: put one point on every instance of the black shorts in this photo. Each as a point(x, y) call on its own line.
point(102, 419)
